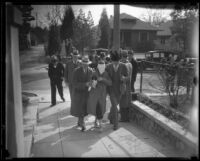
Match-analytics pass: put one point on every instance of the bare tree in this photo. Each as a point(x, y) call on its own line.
point(176, 80)
point(55, 14)
point(154, 17)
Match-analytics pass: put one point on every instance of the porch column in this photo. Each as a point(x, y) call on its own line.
point(14, 113)
point(116, 27)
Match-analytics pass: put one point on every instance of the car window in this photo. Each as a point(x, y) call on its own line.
point(156, 55)
point(162, 55)
point(148, 55)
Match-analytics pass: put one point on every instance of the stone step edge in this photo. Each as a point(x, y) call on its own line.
point(167, 124)
point(29, 140)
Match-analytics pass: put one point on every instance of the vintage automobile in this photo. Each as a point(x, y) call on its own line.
point(160, 56)
point(99, 50)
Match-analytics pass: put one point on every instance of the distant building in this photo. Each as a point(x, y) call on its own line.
point(33, 39)
point(165, 40)
point(134, 33)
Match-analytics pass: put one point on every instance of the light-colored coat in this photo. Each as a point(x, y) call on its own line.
point(97, 96)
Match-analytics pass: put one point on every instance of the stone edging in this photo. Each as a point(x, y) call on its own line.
point(30, 125)
point(169, 125)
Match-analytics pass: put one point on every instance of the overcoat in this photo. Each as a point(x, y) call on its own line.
point(98, 95)
point(68, 75)
point(80, 92)
point(56, 73)
point(69, 71)
point(134, 69)
point(114, 89)
point(126, 97)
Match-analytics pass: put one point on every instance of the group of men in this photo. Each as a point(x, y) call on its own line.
point(90, 83)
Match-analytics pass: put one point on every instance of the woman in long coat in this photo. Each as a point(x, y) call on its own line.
point(96, 104)
point(81, 82)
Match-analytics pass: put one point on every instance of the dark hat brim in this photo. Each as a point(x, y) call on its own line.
point(85, 62)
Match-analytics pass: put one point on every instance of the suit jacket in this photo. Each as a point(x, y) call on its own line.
point(126, 98)
point(56, 73)
point(69, 71)
point(114, 89)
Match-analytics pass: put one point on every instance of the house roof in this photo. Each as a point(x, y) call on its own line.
point(166, 29)
point(131, 24)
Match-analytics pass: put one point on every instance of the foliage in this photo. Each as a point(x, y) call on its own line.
point(66, 30)
point(54, 43)
point(25, 28)
point(176, 80)
point(55, 14)
point(85, 34)
point(105, 30)
point(40, 33)
point(168, 112)
point(184, 20)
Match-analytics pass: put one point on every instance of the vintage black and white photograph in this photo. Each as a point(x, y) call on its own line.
point(102, 80)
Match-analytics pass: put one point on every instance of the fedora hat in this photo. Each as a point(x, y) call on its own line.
point(85, 60)
point(124, 53)
point(75, 53)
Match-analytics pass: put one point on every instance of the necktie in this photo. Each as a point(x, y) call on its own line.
point(115, 67)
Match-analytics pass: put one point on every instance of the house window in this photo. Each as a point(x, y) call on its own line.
point(143, 36)
point(127, 38)
point(162, 41)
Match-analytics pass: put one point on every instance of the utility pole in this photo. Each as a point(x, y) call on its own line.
point(36, 19)
point(116, 28)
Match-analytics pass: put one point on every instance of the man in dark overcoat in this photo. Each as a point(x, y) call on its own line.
point(134, 69)
point(69, 71)
point(56, 75)
point(118, 73)
point(81, 83)
point(126, 97)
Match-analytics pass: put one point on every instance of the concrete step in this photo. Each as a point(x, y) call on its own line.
point(29, 122)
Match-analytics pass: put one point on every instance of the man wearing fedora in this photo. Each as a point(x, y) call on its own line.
point(81, 83)
point(69, 71)
point(118, 73)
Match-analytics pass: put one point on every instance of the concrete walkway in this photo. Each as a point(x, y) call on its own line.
point(56, 135)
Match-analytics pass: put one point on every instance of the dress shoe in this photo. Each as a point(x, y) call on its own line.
point(96, 125)
point(100, 129)
point(83, 128)
point(115, 128)
point(123, 120)
point(53, 104)
point(63, 99)
point(111, 122)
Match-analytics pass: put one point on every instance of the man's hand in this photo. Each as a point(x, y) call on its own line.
point(123, 78)
point(94, 83)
